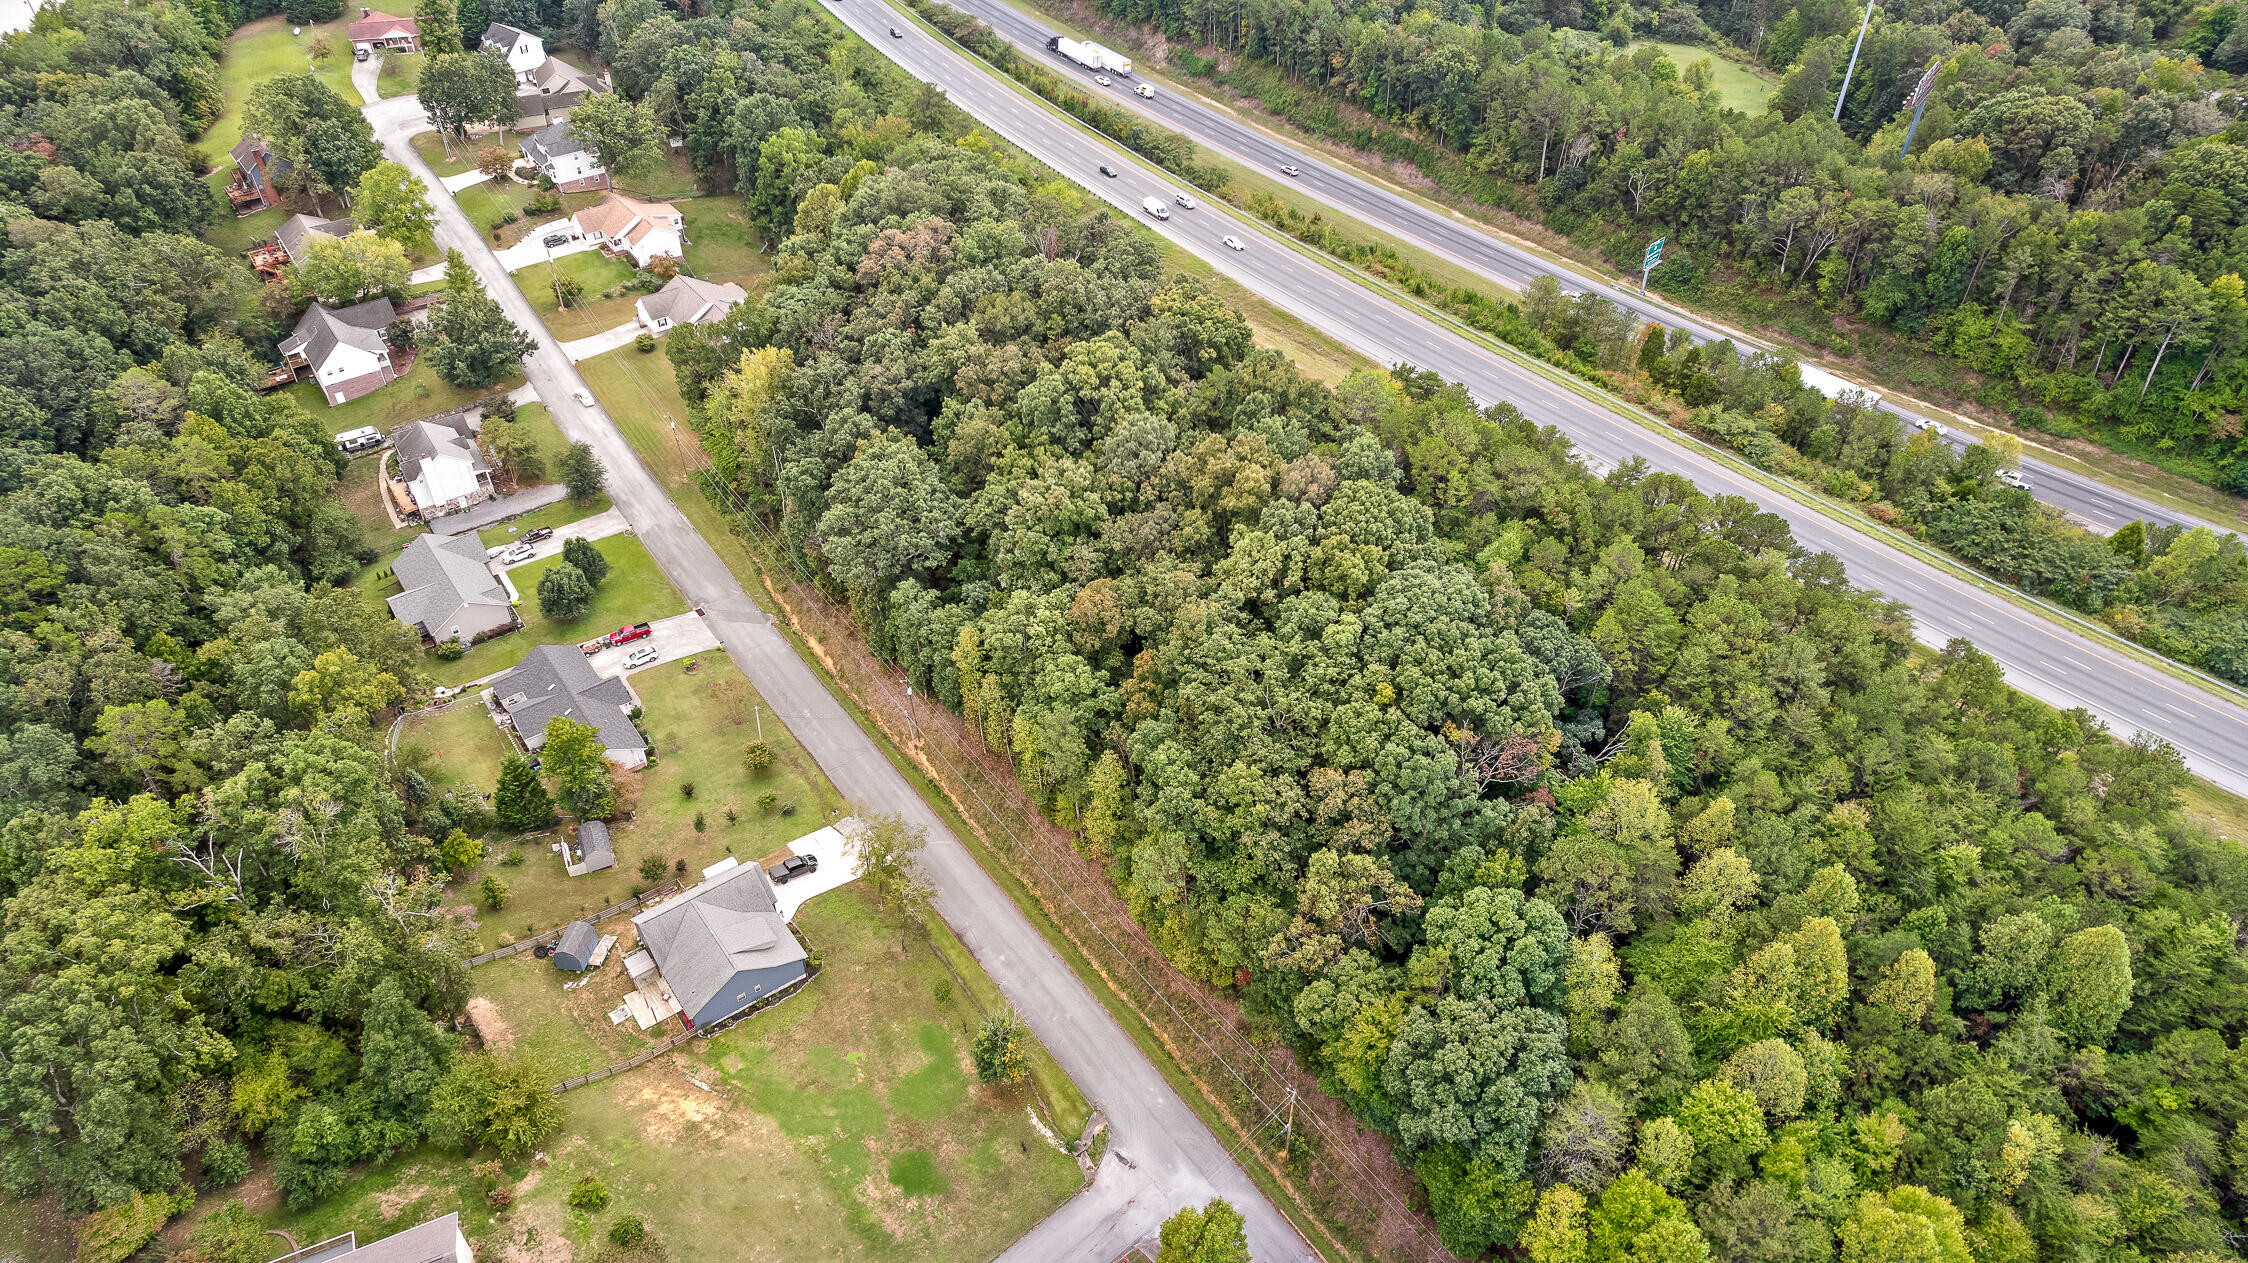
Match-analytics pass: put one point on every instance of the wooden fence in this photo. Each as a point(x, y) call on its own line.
point(640, 900)
point(649, 1054)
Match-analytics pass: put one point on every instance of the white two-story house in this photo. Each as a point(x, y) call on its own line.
point(561, 157)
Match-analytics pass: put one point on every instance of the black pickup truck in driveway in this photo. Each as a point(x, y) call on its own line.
point(793, 866)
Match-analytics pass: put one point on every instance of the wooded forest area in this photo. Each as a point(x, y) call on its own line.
point(1618, 860)
point(2068, 227)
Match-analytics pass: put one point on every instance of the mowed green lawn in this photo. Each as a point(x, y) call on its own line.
point(431, 147)
point(700, 721)
point(560, 513)
point(401, 72)
point(1740, 87)
point(462, 740)
point(641, 394)
point(420, 393)
point(598, 274)
point(634, 592)
point(722, 245)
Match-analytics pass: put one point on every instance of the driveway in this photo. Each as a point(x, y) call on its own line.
point(466, 179)
point(680, 636)
point(532, 249)
point(499, 509)
point(839, 863)
point(1175, 1159)
point(364, 76)
point(600, 526)
point(603, 342)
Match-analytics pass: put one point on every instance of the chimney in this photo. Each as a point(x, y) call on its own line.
point(364, 11)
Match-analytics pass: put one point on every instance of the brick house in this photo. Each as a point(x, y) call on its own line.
point(378, 32)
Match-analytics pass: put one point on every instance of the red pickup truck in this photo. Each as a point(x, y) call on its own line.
point(621, 636)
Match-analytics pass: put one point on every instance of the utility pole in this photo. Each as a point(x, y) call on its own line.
point(1288, 1128)
point(1855, 49)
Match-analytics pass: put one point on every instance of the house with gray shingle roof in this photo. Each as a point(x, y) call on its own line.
point(450, 590)
point(562, 157)
point(719, 947)
point(441, 464)
point(556, 680)
point(343, 349)
point(438, 1241)
point(545, 86)
point(296, 230)
point(684, 300)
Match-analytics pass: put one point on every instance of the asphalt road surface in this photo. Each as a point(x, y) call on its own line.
point(1174, 1160)
point(2091, 501)
point(2041, 656)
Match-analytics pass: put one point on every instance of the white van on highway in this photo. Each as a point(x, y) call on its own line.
point(1154, 206)
point(1144, 89)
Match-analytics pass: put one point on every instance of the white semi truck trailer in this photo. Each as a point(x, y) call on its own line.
point(1090, 55)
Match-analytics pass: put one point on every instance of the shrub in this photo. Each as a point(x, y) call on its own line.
point(679, 866)
point(225, 1161)
point(998, 1050)
point(698, 822)
point(499, 1197)
point(450, 650)
point(458, 850)
point(628, 1231)
point(941, 990)
point(788, 809)
point(733, 816)
point(645, 343)
point(686, 789)
point(756, 758)
point(513, 859)
point(494, 891)
point(589, 1194)
point(767, 801)
point(651, 868)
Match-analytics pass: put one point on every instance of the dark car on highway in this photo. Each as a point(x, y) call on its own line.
point(793, 866)
point(1108, 171)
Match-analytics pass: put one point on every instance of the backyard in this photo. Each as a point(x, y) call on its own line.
point(361, 489)
point(722, 245)
point(700, 723)
point(420, 393)
point(851, 1109)
point(401, 73)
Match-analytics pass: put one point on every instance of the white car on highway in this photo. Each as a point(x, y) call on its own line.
point(640, 657)
point(1185, 202)
point(2013, 478)
point(1102, 80)
point(583, 398)
point(1924, 423)
point(1234, 243)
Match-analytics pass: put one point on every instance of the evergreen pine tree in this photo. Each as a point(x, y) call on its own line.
point(521, 801)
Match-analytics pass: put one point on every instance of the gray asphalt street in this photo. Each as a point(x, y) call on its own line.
point(2092, 501)
point(2042, 657)
point(1173, 1158)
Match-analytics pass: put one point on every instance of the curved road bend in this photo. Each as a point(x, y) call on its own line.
point(2042, 657)
point(1175, 1160)
point(2090, 500)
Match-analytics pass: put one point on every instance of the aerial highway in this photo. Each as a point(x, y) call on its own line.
point(2041, 656)
point(2091, 501)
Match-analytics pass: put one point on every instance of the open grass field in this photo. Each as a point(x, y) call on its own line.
point(606, 301)
point(420, 393)
point(700, 722)
point(263, 50)
point(1742, 88)
point(634, 592)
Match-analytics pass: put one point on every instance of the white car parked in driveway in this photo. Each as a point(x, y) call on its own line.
point(517, 554)
point(640, 657)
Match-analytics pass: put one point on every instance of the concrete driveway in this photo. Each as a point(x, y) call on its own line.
point(532, 249)
point(365, 76)
point(680, 636)
point(600, 526)
point(839, 863)
point(466, 179)
point(603, 342)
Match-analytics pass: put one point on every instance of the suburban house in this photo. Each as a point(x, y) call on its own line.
point(561, 157)
point(342, 348)
point(687, 301)
point(298, 229)
point(545, 87)
point(449, 590)
point(438, 1241)
point(381, 33)
point(255, 169)
point(641, 231)
point(591, 852)
point(439, 461)
point(556, 680)
point(715, 949)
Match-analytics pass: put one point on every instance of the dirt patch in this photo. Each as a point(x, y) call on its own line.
point(669, 1110)
point(397, 1198)
point(491, 1029)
